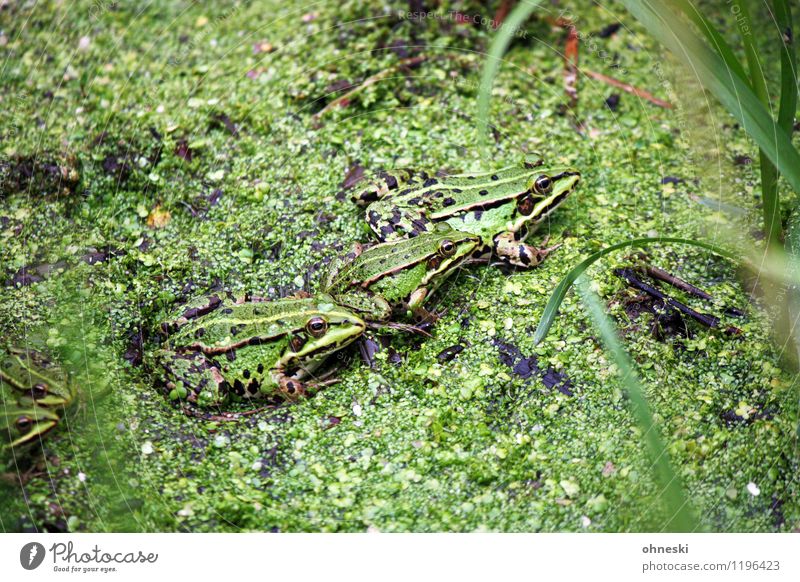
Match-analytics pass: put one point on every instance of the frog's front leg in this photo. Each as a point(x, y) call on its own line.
point(414, 305)
point(292, 388)
point(508, 249)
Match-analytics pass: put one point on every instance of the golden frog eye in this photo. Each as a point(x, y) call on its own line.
point(24, 424)
point(543, 184)
point(39, 390)
point(317, 326)
point(447, 248)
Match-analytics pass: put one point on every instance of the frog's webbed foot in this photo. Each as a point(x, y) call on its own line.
point(518, 253)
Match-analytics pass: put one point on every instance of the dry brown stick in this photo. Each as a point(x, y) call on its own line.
point(707, 320)
point(404, 64)
point(502, 13)
point(627, 88)
point(678, 283)
point(571, 68)
point(225, 416)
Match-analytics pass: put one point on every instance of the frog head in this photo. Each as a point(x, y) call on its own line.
point(22, 422)
point(32, 375)
point(321, 327)
point(548, 188)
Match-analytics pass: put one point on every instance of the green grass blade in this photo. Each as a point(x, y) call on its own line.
point(681, 517)
point(745, 26)
point(793, 263)
point(788, 103)
point(734, 93)
point(714, 38)
point(554, 303)
point(496, 51)
point(769, 174)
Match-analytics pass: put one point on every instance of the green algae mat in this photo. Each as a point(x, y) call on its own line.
point(159, 152)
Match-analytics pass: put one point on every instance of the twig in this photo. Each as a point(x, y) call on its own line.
point(571, 68)
point(707, 320)
point(502, 12)
point(628, 88)
point(670, 279)
point(408, 63)
point(225, 416)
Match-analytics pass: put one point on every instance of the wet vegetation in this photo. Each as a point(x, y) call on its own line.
point(152, 154)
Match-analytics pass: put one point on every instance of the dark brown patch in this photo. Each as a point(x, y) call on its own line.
point(353, 176)
point(524, 367)
point(524, 257)
point(450, 353)
point(434, 262)
point(238, 387)
point(525, 205)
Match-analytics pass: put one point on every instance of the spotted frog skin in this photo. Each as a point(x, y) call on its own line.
point(34, 391)
point(401, 273)
point(253, 348)
point(501, 207)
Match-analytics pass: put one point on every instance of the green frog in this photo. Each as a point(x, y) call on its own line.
point(33, 390)
point(253, 348)
point(502, 207)
point(401, 273)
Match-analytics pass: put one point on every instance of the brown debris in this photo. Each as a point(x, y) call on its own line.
point(344, 100)
point(628, 88)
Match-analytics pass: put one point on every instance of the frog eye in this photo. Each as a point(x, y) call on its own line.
point(24, 424)
point(447, 248)
point(543, 184)
point(39, 390)
point(317, 326)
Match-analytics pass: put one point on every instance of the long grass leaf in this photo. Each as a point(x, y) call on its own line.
point(554, 303)
point(714, 38)
point(496, 51)
point(734, 93)
point(788, 104)
point(769, 174)
point(680, 518)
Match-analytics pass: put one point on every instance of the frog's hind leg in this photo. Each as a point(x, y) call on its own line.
point(508, 249)
point(384, 183)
